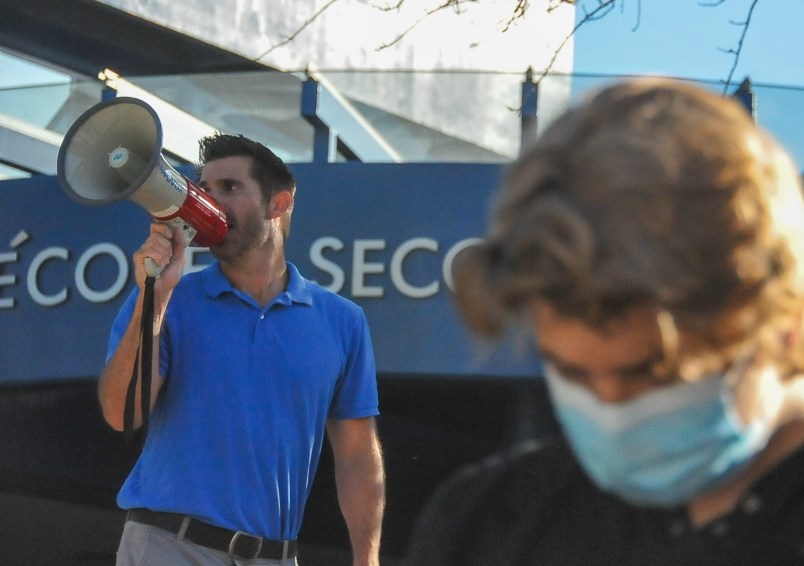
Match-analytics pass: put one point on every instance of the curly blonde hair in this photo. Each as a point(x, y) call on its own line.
point(652, 192)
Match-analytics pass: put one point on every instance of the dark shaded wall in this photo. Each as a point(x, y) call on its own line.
point(61, 465)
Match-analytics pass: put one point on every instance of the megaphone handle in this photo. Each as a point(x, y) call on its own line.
point(151, 268)
point(188, 233)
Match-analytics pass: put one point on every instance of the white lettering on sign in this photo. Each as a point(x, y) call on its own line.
point(397, 276)
point(56, 252)
point(63, 254)
point(446, 267)
point(122, 273)
point(7, 280)
point(373, 269)
point(325, 265)
point(36, 271)
point(361, 266)
point(10, 257)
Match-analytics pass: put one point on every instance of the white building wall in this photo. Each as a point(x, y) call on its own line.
point(349, 35)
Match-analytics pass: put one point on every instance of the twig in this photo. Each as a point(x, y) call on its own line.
point(736, 52)
point(603, 8)
point(427, 14)
point(304, 25)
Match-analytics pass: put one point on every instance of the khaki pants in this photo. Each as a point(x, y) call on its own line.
point(145, 545)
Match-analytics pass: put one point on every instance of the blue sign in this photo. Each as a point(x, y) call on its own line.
point(382, 235)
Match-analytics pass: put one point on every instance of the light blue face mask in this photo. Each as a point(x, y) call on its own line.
point(663, 447)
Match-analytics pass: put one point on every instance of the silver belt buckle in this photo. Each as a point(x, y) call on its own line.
point(233, 543)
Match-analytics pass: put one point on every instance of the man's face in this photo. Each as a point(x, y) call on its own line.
point(229, 182)
point(615, 363)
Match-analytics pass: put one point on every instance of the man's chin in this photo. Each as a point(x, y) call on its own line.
point(226, 250)
point(217, 251)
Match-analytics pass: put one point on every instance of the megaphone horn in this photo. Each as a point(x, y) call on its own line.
point(113, 151)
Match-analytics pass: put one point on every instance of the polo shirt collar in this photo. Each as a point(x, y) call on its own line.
point(298, 286)
point(215, 284)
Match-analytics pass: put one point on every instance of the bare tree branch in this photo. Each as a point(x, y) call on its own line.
point(639, 16)
point(736, 52)
point(603, 7)
point(519, 11)
point(304, 25)
point(456, 4)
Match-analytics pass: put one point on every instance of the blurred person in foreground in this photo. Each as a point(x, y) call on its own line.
point(252, 363)
point(652, 240)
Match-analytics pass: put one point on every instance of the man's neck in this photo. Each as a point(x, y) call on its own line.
point(260, 276)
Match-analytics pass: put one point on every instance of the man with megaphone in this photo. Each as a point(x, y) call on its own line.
point(251, 364)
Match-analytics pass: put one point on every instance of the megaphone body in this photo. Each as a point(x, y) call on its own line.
point(113, 151)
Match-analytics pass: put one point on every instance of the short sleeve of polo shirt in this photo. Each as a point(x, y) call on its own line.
point(356, 393)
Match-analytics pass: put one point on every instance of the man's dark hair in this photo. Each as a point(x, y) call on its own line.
point(268, 169)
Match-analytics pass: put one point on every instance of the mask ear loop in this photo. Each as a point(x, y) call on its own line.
point(742, 363)
point(767, 398)
point(668, 334)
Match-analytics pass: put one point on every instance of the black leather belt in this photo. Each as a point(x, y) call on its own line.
point(235, 543)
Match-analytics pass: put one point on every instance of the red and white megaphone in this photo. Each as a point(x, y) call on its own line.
point(113, 151)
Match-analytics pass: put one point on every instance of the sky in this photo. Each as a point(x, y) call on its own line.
point(687, 38)
point(690, 39)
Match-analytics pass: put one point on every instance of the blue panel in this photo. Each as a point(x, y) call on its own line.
point(43, 237)
point(352, 224)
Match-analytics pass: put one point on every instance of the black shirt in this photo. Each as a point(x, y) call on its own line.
point(536, 506)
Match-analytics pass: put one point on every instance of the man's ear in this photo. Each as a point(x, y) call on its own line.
point(281, 203)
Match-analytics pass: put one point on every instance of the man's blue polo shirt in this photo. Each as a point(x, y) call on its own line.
point(236, 434)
